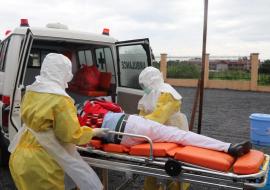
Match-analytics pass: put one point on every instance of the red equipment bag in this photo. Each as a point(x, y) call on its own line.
point(93, 112)
point(87, 78)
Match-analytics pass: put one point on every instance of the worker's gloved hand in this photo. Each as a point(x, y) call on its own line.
point(100, 132)
point(240, 149)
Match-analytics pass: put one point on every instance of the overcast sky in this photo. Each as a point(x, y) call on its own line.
point(235, 27)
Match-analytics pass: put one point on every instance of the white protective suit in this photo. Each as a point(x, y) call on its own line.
point(152, 82)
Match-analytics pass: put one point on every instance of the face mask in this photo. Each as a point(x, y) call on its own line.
point(145, 89)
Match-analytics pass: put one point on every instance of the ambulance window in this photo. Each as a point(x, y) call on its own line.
point(105, 59)
point(101, 60)
point(3, 53)
point(132, 59)
point(44, 53)
point(37, 56)
point(85, 57)
point(34, 60)
point(109, 59)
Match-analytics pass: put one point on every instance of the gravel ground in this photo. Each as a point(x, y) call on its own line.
point(225, 117)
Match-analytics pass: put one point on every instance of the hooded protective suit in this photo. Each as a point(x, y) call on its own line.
point(161, 102)
point(44, 149)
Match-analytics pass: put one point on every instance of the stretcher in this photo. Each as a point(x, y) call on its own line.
point(182, 163)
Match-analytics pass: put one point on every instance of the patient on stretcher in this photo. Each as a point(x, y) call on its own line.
point(113, 119)
point(157, 132)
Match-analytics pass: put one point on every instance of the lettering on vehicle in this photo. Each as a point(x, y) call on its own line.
point(137, 65)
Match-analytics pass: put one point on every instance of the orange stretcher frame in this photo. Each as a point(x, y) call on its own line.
point(182, 163)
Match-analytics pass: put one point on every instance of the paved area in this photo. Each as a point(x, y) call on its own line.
point(226, 112)
point(226, 117)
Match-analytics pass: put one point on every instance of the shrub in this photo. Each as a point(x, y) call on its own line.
point(265, 67)
point(177, 69)
point(230, 75)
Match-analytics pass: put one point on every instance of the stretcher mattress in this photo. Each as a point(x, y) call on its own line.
point(159, 149)
point(247, 164)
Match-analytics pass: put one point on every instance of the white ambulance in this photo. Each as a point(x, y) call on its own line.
point(23, 50)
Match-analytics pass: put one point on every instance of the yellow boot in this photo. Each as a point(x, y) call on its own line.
point(185, 186)
point(161, 186)
point(175, 185)
point(150, 183)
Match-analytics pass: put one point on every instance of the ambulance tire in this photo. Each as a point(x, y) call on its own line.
point(4, 157)
point(4, 154)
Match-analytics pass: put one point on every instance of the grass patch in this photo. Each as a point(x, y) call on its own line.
point(230, 75)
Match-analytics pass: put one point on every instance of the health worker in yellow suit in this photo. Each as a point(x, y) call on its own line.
point(44, 148)
point(160, 103)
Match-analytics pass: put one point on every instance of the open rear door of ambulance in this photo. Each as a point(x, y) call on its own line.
point(132, 57)
point(14, 117)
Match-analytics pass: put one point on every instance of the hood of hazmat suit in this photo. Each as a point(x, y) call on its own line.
point(44, 147)
point(151, 81)
point(55, 73)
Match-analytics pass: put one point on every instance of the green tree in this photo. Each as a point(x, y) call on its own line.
point(182, 69)
point(265, 67)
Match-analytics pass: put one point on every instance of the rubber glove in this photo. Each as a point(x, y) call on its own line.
point(100, 132)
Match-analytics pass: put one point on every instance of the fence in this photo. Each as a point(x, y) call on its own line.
point(250, 84)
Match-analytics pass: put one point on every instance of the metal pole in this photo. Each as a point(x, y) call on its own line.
point(203, 65)
point(195, 106)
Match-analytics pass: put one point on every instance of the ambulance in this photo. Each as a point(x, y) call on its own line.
point(23, 50)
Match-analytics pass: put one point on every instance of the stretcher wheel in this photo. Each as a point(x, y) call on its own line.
point(173, 167)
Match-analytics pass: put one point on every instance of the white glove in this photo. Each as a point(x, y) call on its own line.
point(100, 132)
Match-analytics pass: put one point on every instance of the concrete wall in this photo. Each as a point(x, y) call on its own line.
point(251, 85)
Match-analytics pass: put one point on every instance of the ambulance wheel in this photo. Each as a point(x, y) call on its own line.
point(173, 167)
point(4, 154)
point(4, 157)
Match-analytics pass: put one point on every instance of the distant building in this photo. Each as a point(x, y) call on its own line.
point(221, 66)
point(242, 63)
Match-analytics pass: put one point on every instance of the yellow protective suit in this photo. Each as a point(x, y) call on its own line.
point(165, 107)
point(32, 168)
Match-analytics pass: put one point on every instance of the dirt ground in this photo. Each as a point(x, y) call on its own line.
point(225, 117)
